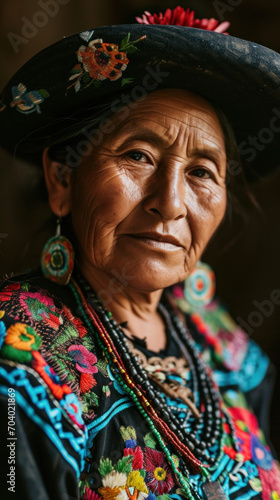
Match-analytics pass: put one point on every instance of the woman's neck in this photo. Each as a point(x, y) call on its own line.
point(138, 310)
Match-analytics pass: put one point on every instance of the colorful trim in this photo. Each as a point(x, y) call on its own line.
point(41, 399)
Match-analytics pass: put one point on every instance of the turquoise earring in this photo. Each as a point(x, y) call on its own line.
point(200, 285)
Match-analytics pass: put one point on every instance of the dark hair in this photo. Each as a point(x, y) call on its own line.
point(241, 203)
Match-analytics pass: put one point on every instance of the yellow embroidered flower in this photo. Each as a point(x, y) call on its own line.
point(19, 337)
point(2, 313)
point(160, 474)
point(19, 343)
point(275, 496)
point(135, 480)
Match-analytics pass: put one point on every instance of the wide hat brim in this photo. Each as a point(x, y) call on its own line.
point(62, 84)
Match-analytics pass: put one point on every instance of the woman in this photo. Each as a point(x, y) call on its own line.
point(118, 390)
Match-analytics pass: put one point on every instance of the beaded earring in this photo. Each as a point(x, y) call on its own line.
point(57, 259)
point(200, 285)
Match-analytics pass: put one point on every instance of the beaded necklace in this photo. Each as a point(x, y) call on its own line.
point(193, 447)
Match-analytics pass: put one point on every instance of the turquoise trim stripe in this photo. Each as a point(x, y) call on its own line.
point(249, 494)
point(47, 428)
point(249, 378)
point(38, 395)
point(102, 421)
point(225, 464)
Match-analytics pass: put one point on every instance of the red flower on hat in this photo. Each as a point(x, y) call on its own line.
point(182, 17)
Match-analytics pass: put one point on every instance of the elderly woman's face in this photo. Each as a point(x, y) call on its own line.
point(146, 202)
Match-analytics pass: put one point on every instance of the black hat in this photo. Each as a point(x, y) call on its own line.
point(64, 83)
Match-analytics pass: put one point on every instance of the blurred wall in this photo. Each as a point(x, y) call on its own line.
point(249, 272)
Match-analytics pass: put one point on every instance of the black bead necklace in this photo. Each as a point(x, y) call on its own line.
point(208, 428)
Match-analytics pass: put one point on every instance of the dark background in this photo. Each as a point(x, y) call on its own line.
point(247, 271)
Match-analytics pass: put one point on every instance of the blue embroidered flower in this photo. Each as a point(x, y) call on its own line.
point(260, 454)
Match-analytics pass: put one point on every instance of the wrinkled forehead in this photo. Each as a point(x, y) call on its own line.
point(167, 108)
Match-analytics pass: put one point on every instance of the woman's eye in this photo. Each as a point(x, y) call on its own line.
point(137, 156)
point(202, 173)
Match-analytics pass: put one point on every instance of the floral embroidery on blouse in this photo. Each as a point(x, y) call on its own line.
point(137, 475)
point(18, 342)
point(67, 350)
point(100, 61)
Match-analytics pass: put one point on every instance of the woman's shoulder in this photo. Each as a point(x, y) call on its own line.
point(32, 393)
point(31, 320)
point(234, 357)
point(41, 327)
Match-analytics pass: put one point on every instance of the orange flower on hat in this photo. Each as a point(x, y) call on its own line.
point(102, 60)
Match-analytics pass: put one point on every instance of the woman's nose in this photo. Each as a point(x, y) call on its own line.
point(167, 196)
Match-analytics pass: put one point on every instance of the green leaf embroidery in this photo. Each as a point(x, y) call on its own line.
point(88, 343)
point(86, 77)
point(91, 398)
point(124, 464)
point(102, 367)
point(127, 46)
point(131, 49)
point(105, 466)
point(125, 42)
point(150, 440)
point(126, 81)
point(68, 334)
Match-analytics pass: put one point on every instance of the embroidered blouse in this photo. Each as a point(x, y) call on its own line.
point(71, 432)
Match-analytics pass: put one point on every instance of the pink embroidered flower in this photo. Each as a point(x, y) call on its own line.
point(159, 476)
point(182, 17)
point(270, 483)
point(85, 360)
point(90, 495)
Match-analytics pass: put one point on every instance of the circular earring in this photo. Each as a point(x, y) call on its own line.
point(200, 285)
point(57, 259)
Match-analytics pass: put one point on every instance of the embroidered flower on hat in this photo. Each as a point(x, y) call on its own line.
point(27, 101)
point(102, 61)
point(182, 17)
